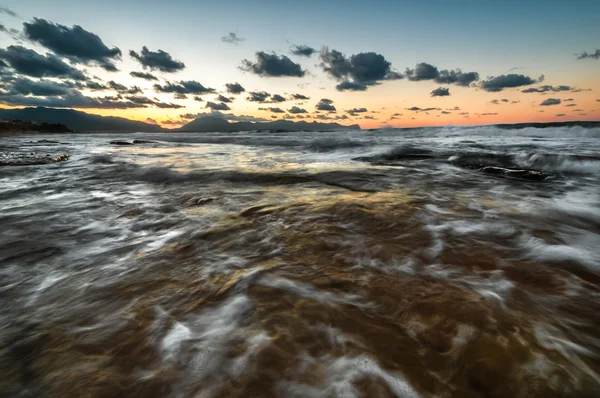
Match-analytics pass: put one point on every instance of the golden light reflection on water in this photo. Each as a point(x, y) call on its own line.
point(227, 157)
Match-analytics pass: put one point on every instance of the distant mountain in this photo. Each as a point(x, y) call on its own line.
point(76, 120)
point(207, 123)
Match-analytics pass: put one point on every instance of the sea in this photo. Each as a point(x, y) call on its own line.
point(432, 262)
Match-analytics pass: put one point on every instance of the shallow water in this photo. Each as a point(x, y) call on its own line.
point(346, 264)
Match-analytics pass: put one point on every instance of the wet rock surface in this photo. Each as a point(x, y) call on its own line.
point(274, 265)
point(8, 158)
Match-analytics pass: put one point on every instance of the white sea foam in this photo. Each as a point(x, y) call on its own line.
point(339, 377)
point(309, 291)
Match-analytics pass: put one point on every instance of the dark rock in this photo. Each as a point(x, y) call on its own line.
point(477, 160)
point(530, 175)
point(143, 142)
point(405, 153)
point(118, 142)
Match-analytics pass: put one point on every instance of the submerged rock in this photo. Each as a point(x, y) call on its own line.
point(530, 175)
point(119, 142)
point(143, 142)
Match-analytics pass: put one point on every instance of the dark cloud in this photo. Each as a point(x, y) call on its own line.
point(464, 113)
point(223, 98)
point(546, 88)
point(224, 116)
point(457, 77)
point(180, 96)
point(234, 88)
point(498, 83)
point(357, 72)
point(577, 90)
point(140, 100)
point(274, 110)
point(263, 97)
point(351, 86)
point(445, 113)
point(183, 87)
point(299, 97)
point(258, 96)
point(303, 51)
point(14, 33)
point(497, 102)
point(147, 101)
point(121, 89)
point(143, 75)
point(4, 10)
point(157, 60)
point(369, 117)
point(277, 98)
point(585, 55)
point(232, 38)
point(327, 117)
point(196, 98)
point(217, 107)
point(325, 105)
point(190, 116)
point(95, 86)
point(571, 105)
point(560, 114)
point(417, 109)
point(273, 65)
point(568, 100)
point(75, 43)
point(40, 88)
point(440, 92)
point(550, 101)
point(355, 111)
point(165, 105)
point(296, 110)
point(487, 114)
point(423, 71)
point(72, 100)
point(30, 63)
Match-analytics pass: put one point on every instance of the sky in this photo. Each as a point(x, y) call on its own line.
point(377, 63)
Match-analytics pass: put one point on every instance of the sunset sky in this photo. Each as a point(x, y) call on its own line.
point(375, 63)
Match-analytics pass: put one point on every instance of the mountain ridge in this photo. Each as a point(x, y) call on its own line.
point(216, 122)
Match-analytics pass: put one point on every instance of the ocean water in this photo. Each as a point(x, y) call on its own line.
point(406, 263)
